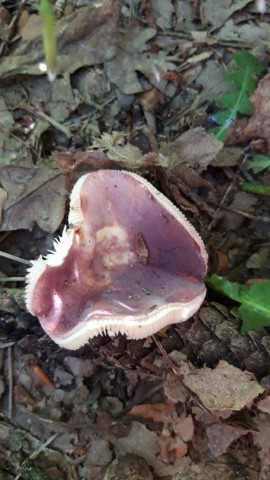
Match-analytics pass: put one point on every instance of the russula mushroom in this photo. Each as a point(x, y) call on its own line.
point(129, 263)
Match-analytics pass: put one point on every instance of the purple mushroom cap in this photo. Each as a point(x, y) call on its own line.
point(129, 263)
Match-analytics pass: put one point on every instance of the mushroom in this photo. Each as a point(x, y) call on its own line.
point(129, 263)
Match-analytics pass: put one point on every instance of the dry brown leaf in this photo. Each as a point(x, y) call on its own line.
point(158, 412)
point(220, 436)
point(261, 438)
point(144, 443)
point(86, 37)
point(259, 122)
point(194, 147)
point(264, 405)
point(34, 195)
point(132, 57)
point(224, 387)
point(184, 427)
point(125, 154)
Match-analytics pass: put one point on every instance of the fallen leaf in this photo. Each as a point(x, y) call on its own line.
point(261, 438)
point(194, 147)
point(158, 412)
point(264, 404)
point(224, 387)
point(184, 427)
point(34, 195)
point(132, 57)
point(259, 123)
point(217, 13)
point(125, 154)
point(86, 37)
point(220, 436)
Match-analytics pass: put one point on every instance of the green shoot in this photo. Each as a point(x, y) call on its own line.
point(259, 163)
point(254, 310)
point(245, 80)
point(49, 37)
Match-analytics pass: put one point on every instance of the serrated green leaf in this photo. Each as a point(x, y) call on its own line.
point(238, 102)
point(246, 61)
point(259, 162)
point(257, 188)
point(219, 132)
point(255, 300)
point(222, 117)
point(247, 84)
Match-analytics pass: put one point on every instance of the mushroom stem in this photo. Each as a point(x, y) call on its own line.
point(13, 257)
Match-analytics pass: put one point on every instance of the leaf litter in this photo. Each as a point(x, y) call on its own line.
point(138, 85)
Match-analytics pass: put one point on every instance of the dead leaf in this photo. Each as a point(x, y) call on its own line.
point(86, 37)
point(158, 412)
point(242, 202)
point(259, 122)
point(220, 436)
point(261, 438)
point(184, 427)
point(224, 387)
point(227, 157)
point(34, 195)
point(194, 147)
point(125, 154)
point(217, 13)
point(264, 405)
point(131, 57)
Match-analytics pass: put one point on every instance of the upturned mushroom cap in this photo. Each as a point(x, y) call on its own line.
point(129, 263)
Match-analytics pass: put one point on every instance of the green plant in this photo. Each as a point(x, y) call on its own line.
point(254, 310)
point(49, 37)
point(259, 163)
point(244, 78)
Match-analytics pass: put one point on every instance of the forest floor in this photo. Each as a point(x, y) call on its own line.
point(139, 87)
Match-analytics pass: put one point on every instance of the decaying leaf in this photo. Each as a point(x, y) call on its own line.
point(132, 57)
point(34, 195)
point(125, 154)
point(220, 436)
point(86, 37)
point(217, 13)
point(224, 387)
point(259, 123)
point(194, 147)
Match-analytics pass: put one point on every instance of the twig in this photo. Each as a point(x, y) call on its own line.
point(10, 381)
point(38, 451)
point(46, 117)
point(13, 257)
point(12, 279)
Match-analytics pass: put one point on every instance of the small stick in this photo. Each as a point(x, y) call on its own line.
point(38, 451)
point(10, 381)
point(12, 279)
point(13, 257)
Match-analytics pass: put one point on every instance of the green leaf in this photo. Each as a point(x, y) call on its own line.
point(222, 117)
point(255, 300)
point(244, 79)
point(259, 162)
point(219, 133)
point(257, 188)
point(238, 102)
point(237, 79)
point(246, 61)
